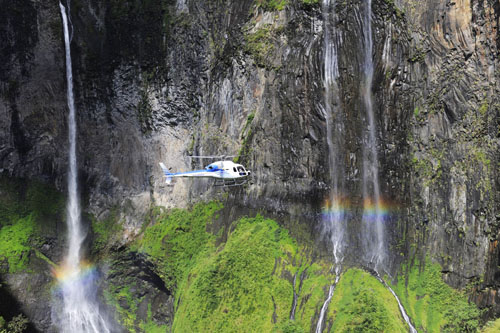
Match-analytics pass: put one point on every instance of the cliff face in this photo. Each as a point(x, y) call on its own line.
point(161, 80)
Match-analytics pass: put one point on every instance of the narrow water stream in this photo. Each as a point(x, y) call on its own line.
point(401, 308)
point(319, 326)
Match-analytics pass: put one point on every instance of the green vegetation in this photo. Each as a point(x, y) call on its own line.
point(314, 292)
point(150, 326)
point(18, 324)
point(14, 243)
point(177, 239)
point(245, 148)
point(362, 304)
point(145, 112)
point(483, 109)
point(418, 55)
point(310, 2)
point(259, 45)
point(125, 304)
point(27, 211)
point(246, 136)
point(106, 231)
point(398, 12)
point(19, 198)
point(235, 289)
point(432, 304)
point(491, 327)
point(272, 5)
point(416, 111)
point(173, 240)
point(127, 307)
point(244, 284)
point(249, 121)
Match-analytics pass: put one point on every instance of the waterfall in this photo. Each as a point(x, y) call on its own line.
point(373, 219)
point(373, 215)
point(79, 311)
point(75, 236)
point(333, 223)
point(334, 219)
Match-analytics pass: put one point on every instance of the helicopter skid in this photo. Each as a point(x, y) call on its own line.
point(229, 183)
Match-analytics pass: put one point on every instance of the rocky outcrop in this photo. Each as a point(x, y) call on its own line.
point(160, 80)
point(137, 292)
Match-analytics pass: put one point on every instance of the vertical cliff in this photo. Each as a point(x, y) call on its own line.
point(160, 80)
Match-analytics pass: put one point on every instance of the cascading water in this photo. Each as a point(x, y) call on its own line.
point(76, 308)
point(333, 223)
point(333, 217)
point(401, 308)
point(373, 218)
point(319, 326)
point(373, 213)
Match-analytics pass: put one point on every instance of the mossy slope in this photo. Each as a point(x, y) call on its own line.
point(492, 327)
point(235, 289)
point(432, 304)
point(244, 284)
point(29, 211)
point(361, 303)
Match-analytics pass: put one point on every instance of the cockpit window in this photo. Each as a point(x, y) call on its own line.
point(234, 169)
point(240, 169)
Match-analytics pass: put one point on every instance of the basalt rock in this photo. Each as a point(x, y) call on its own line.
point(161, 80)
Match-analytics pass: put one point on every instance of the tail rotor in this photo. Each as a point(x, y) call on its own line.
point(168, 175)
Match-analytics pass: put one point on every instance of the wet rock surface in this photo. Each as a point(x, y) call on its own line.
point(138, 289)
point(161, 80)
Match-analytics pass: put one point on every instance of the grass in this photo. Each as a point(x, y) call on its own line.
point(361, 303)
point(313, 294)
point(432, 304)
point(14, 243)
point(492, 327)
point(237, 288)
point(243, 285)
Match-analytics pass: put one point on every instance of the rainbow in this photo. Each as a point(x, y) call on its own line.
point(335, 209)
point(339, 208)
point(66, 275)
point(381, 211)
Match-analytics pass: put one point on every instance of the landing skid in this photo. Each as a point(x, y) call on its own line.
point(229, 183)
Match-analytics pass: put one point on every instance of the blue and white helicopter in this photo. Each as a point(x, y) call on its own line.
point(225, 172)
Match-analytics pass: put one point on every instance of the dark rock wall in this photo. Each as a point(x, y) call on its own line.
point(160, 80)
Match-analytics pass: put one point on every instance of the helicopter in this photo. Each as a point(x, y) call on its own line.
point(225, 172)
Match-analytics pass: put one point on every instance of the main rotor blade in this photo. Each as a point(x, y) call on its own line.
point(205, 156)
point(213, 156)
